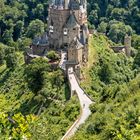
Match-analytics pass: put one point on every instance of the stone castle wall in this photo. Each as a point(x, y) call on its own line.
point(72, 54)
point(80, 56)
point(59, 18)
point(72, 33)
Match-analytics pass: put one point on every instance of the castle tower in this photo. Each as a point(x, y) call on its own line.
point(65, 21)
point(127, 44)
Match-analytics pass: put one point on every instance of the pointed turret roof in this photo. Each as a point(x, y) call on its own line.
point(76, 44)
point(74, 4)
point(72, 22)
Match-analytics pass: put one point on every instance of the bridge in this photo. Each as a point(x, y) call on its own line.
point(85, 101)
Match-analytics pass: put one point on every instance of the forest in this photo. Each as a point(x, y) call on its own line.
point(34, 99)
point(113, 83)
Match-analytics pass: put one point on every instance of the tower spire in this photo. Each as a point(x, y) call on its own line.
point(66, 3)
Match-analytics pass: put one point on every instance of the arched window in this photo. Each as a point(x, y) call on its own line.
point(51, 27)
point(65, 31)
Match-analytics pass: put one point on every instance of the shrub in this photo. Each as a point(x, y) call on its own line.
point(52, 55)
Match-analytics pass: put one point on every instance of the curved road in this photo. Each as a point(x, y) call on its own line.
point(85, 101)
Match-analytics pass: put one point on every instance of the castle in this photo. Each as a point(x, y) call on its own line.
point(67, 20)
point(67, 30)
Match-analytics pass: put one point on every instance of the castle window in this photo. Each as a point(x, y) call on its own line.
point(65, 31)
point(51, 29)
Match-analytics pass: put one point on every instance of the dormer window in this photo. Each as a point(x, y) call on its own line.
point(51, 29)
point(65, 31)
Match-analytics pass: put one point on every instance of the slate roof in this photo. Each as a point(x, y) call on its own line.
point(74, 4)
point(76, 43)
point(72, 22)
point(41, 41)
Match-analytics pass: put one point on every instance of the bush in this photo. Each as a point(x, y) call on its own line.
point(11, 60)
point(52, 55)
point(93, 108)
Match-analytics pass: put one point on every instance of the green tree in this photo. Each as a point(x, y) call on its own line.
point(35, 73)
point(93, 17)
point(36, 28)
point(39, 11)
point(16, 126)
point(118, 14)
point(8, 36)
point(136, 41)
point(118, 30)
point(106, 72)
point(102, 27)
point(137, 59)
point(11, 60)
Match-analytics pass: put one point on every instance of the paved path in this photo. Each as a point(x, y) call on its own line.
point(84, 103)
point(83, 98)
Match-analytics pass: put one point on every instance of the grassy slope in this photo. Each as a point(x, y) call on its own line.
point(91, 59)
point(94, 42)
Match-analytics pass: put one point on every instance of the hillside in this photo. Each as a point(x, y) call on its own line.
point(33, 91)
point(115, 87)
point(35, 101)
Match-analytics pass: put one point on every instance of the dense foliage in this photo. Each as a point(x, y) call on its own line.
point(37, 91)
point(115, 18)
point(115, 88)
point(34, 98)
point(20, 20)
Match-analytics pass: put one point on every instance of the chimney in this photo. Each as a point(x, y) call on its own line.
point(66, 4)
